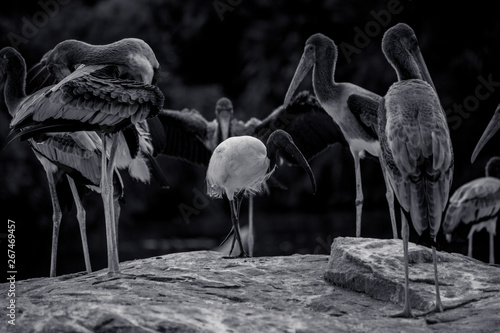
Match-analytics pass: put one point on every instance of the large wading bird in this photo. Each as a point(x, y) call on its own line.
point(320, 55)
point(240, 166)
point(100, 95)
point(488, 133)
point(416, 145)
point(476, 204)
point(190, 137)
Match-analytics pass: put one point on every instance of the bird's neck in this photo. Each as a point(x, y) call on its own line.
point(324, 83)
point(15, 84)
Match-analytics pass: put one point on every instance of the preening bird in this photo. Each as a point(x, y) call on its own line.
point(488, 133)
point(476, 204)
point(190, 137)
point(65, 157)
point(416, 145)
point(98, 95)
point(320, 55)
point(240, 165)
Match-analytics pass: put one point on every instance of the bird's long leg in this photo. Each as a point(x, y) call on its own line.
point(81, 217)
point(405, 234)
point(390, 200)
point(233, 228)
point(56, 222)
point(359, 192)
point(250, 226)
point(439, 305)
point(114, 217)
point(236, 224)
point(107, 197)
point(470, 236)
point(492, 232)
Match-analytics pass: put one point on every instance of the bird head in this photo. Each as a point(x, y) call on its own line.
point(400, 47)
point(11, 61)
point(318, 47)
point(224, 114)
point(280, 142)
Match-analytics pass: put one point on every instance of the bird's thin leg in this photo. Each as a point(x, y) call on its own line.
point(233, 229)
point(439, 305)
point(250, 226)
point(236, 224)
point(81, 217)
point(390, 200)
point(405, 234)
point(228, 235)
point(56, 220)
point(492, 246)
point(114, 217)
point(107, 197)
point(359, 193)
point(235, 220)
point(470, 237)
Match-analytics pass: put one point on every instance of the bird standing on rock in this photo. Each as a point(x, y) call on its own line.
point(416, 146)
point(190, 137)
point(240, 165)
point(100, 95)
point(476, 203)
point(320, 55)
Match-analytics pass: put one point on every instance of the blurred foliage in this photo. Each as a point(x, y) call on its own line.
point(250, 57)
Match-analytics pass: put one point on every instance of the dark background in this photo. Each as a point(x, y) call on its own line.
point(249, 56)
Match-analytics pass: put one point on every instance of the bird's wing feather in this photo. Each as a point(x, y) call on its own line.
point(90, 101)
point(311, 128)
point(417, 138)
point(186, 135)
point(365, 108)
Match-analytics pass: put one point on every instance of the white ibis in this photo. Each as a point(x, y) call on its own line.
point(476, 203)
point(488, 133)
point(240, 166)
point(416, 145)
point(93, 97)
point(320, 55)
point(190, 137)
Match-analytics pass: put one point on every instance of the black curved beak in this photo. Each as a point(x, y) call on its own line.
point(280, 140)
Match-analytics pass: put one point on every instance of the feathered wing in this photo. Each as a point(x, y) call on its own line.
point(365, 109)
point(311, 128)
point(417, 152)
point(474, 202)
point(187, 136)
point(91, 100)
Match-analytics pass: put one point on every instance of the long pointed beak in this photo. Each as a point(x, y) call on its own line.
point(491, 129)
point(224, 119)
point(305, 65)
point(423, 68)
point(279, 139)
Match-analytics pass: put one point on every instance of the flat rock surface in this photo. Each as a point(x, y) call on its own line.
point(202, 292)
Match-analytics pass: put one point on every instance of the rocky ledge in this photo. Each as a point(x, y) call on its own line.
point(357, 289)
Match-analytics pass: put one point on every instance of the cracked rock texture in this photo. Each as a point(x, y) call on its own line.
point(355, 290)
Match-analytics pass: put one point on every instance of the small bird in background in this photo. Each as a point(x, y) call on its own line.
point(476, 204)
point(240, 166)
